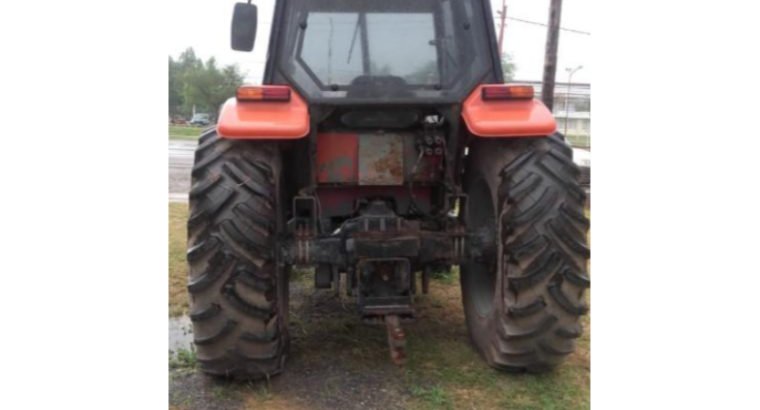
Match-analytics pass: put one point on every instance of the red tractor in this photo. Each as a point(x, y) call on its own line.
point(384, 146)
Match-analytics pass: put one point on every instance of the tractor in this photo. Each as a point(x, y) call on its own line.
point(383, 146)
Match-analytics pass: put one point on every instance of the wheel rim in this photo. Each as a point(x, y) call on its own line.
point(480, 277)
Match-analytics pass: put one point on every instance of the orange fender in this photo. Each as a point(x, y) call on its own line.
point(507, 118)
point(263, 120)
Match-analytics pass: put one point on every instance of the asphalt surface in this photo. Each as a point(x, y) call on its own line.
point(180, 164)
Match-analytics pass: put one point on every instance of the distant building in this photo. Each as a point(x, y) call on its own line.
point(576, 109)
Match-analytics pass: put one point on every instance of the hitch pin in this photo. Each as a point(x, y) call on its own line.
point(396, 339)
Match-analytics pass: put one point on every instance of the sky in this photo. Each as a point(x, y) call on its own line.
point(205, 26)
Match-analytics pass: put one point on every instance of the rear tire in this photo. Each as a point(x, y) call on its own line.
point(523, 303)
point(238, 295)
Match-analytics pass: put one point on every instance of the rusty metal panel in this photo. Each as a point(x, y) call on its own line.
point(381, 159)
point(337, 158)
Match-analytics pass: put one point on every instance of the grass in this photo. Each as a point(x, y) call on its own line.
point(448, 277)
point(434, 397)
point(184, 132)
point(182, 359)
point(178, 302)
point(443, 371)
point(579, 141)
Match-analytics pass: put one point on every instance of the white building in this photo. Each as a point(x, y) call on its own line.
point(572, 109)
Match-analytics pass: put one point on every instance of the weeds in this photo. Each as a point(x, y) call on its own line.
point(183, 359)
point(434, 397)
point(447, 276)
point(178, 300)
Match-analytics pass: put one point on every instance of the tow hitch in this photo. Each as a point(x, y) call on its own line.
point(380, 254)
point(396, 339)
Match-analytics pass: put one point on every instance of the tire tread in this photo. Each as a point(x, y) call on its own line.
point(233, 282)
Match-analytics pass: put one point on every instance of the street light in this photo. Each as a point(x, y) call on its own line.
point(571, 71)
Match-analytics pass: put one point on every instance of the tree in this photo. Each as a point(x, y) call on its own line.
point(207, 87)
point(193, 83)
point(175, 88)
point(508, 67)
point(188, 60)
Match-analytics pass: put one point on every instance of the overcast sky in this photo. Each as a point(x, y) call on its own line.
point(205, 26)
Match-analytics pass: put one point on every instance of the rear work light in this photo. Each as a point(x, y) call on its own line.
point(507, 92)
point(266, 93)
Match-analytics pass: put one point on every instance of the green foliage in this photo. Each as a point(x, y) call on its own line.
point(508, 67)
point(203, 85)
point(175, 87)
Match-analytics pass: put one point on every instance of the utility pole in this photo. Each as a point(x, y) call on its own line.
point(550, 59)
point(503, 14)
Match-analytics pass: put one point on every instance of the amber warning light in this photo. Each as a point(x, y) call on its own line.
point(263, 93)
point(507, 92)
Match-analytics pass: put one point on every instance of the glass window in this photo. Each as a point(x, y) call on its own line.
point(389, 50)
point(398, 44)
point(331, 48)
point(403, 45)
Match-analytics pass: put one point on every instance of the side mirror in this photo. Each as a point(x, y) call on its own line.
point(243, 26)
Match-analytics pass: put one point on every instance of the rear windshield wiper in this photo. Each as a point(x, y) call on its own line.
point(353, 40)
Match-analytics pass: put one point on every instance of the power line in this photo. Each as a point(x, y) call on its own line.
point(536, 23)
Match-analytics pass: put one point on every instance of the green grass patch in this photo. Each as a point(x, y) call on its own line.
point(579, 141)
point(448, 277)
point(183, 132)
point(433, 398)
point(182, 359)
point(445, 371)
point(304, 276)
point(178, 301)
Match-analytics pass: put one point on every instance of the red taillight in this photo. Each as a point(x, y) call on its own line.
point(275, 93)
point(507, 92)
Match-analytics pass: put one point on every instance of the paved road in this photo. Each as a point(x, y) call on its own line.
point(181, 155)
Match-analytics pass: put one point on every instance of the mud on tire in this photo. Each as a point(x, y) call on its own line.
point(523, 303)
point(238, 297)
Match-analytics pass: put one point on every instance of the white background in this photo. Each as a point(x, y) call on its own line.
point(83, 213)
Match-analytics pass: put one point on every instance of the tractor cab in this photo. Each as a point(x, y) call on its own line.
point(381, 52)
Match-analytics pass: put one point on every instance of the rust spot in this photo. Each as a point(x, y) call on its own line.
point(381, 159)
point(391, 163)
